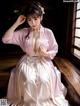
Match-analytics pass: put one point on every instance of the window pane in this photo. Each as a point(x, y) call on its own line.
point(77, 42)
point(78, 14)
point(78, 5)
point(77, 22)
point(77, 32)
point(77, 53)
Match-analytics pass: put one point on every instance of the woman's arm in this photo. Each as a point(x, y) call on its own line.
point(52, 49)
point(53, 46)
point(9, 33)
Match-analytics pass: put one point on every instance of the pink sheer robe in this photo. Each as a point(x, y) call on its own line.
point(35, 81)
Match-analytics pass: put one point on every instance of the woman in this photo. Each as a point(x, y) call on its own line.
point(34, 81)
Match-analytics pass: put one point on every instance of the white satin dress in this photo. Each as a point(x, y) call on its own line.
point(35, 81)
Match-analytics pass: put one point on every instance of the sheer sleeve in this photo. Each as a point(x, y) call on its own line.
point(48, 44)
point(16, 37)
point(53, 46)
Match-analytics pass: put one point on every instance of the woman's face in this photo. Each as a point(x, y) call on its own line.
point(34, 22)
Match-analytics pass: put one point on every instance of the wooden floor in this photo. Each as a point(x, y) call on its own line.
point(69, 71)
point(70, 77)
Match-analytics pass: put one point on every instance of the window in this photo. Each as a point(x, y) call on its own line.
point(76, 39)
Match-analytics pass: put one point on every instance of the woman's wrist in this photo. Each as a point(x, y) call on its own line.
point(15, 25)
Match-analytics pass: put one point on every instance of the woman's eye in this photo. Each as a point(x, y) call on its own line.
point(35, 18)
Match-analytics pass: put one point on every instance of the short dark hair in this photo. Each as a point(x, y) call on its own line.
point(33, 8)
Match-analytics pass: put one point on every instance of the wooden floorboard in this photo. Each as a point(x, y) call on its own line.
point(71, 77)
point(69, 72)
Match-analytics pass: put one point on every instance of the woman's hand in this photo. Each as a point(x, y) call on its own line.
point(21, 19)
point(42, 52)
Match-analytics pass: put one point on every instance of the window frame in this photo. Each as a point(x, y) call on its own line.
point(70, 36)
point(75, 58)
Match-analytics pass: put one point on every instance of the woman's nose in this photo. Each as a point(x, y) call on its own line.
point(33, 22)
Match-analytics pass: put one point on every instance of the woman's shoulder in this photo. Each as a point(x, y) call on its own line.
point(24, 29)
point(48, 30)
